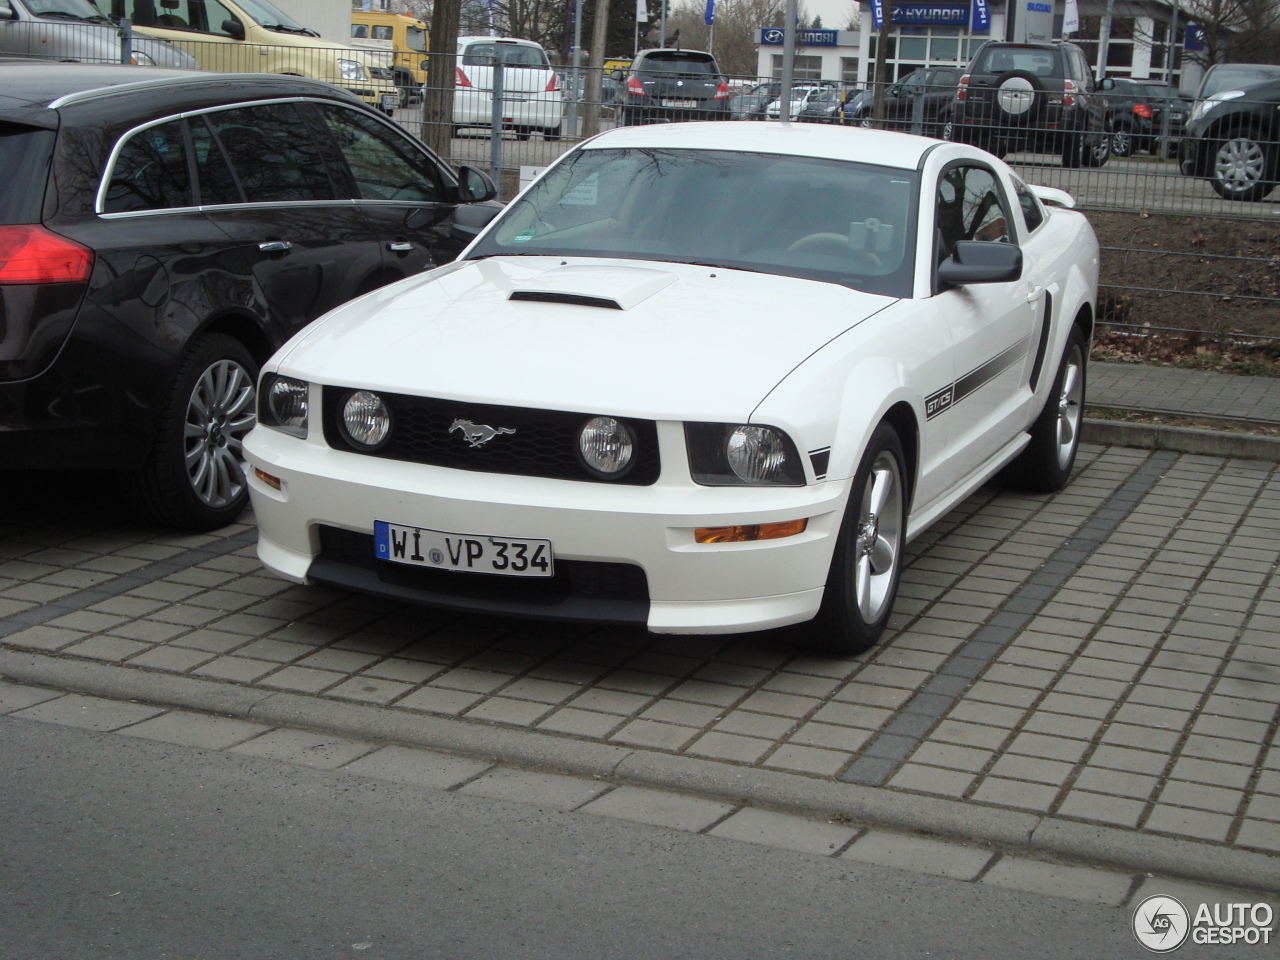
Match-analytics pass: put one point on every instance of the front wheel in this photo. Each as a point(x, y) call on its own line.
point(1122, 140)
point(1045, 465)
point(867, 563)
point(1072, 150)
point(1097, 153)
point(1242, 168)
point(194, 477)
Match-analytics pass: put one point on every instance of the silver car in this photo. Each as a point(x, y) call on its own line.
point(77, 30)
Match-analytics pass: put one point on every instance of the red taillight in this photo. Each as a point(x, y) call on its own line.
point(463, 79)
point(553, 85)
point(963, 89)
point(635, 86)
point(1068, 93)
point(722, 91)
point(1142, 110)
point(32, 254)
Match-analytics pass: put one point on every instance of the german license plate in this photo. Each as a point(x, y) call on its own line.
point(469, 553)
point(679, 103)
point(390, 101)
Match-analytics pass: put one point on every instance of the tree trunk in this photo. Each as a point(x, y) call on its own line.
point(595, 71)
point(437, 98)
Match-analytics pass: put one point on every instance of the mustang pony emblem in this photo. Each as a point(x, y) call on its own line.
point(477, 434)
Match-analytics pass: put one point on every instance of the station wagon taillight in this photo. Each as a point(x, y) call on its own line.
point(553, 85)
point(463, 79)
point(31, 254)
point(635, 86)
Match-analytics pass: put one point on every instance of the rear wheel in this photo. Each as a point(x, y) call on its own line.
point(1122, 140)
point(1045, 465)
point(194, 477)
point(1095, 154)
point(552, 133)
point(1072, 150)
point(867, 562)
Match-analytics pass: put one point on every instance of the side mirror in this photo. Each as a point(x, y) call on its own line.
point(233, 29)
point(981, 261)
point(616, 74)
point(1108, 83)
point(474, 185)
point(6, 11)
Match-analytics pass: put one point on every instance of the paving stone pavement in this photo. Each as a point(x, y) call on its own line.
point(1101, 662)
point(1184, 392)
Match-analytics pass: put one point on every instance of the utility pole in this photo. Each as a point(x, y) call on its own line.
point(788, 60)
point(595, 70)
point(1104, 38)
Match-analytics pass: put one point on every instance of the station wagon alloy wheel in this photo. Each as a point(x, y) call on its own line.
point(219, 414)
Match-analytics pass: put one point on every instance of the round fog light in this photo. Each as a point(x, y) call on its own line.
point(606, 445)
point(366, 419)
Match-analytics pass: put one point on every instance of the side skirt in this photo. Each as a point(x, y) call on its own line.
point(920, 521)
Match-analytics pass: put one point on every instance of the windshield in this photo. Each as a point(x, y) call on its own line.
point(416, 38)
point(1236, 75)
point(677, 66)
point(75, 9)
point(268, 15)
point(829, 220)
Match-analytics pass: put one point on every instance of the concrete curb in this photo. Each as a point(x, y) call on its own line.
point(1212, 443)
point(1126, 850)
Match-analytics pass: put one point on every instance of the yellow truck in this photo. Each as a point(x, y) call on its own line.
point(253, 36)
point(404, 38)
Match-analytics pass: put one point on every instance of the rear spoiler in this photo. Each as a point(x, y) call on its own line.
point(1053, 196)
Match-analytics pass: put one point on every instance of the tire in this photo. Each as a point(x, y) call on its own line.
point(193, 478)
point(1019, 97)
point(523, 133)
point(1097, 153)
point(552, 133)
point(1243, 167)
point(1045, 465)
point(867, 563)
point(1072, 150)
point(1122, 140)
point(946, 127)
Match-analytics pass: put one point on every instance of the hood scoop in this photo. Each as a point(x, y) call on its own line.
point(610, 287)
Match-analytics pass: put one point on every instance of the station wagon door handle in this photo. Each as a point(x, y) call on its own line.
point(275, 246)
point(400, 246)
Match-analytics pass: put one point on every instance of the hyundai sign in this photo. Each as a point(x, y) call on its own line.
point(923, 14)
point(804, 38)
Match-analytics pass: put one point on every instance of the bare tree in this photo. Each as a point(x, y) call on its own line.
point(437, 95)
point(735, 34)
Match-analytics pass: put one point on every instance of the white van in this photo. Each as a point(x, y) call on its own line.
point(531, 94)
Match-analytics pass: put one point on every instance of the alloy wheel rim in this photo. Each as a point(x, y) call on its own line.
point(1239, 164)
point(220, 412)
point(1070, 407)
point(1120, 143)
point(879, 537)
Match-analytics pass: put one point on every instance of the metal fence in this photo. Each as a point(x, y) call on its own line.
point(1177, 253)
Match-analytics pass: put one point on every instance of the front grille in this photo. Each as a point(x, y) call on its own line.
point(580, 580)
point(544, 443)
point(381, 73)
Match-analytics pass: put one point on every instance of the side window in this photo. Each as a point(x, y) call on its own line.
point(216, 182)
point(385, 165)
point(273, 154)
point(150, 172)
point(198, 16)
point(1032, 212)
point(359, 31)
point(381, 33)
point(969, 208)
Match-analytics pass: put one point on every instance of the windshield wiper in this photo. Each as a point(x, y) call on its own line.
point(282, 28)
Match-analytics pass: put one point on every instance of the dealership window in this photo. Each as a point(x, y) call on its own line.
point(806, 68)
point(849, 69)
point(1119, 46)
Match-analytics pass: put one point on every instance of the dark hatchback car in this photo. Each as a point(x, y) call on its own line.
point(1032, 96)
point(935, 90)
point(1232, 138)
point(664, 86)
point(161, 233)
point(1137, 114)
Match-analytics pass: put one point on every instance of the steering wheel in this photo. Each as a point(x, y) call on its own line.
point(834, 245)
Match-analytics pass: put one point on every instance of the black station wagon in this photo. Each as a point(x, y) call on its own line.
point(162, 232)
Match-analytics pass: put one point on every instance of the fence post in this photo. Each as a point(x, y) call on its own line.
point(126, 40)
point(917, 112)
point(495, 125)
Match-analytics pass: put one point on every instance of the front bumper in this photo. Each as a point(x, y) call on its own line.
point(595, 529)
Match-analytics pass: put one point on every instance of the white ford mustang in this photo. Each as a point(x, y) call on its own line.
point(707, 378)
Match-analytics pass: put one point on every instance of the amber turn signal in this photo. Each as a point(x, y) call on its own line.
point(750, 531)
point(268, 479)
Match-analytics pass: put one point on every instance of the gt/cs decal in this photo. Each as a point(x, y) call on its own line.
point(939, 402)
point(969, 384)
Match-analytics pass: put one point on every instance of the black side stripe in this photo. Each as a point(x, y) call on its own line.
point(953, 393)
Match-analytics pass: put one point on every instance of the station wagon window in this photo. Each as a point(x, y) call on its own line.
point(151, 172)
point(969, 208)
point(217, 184)
point(1032, 212)
point(273, 154)
point(385, 165)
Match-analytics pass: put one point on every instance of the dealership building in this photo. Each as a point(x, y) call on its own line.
point(948, 33)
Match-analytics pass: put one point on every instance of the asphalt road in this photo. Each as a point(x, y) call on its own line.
point(121, 848)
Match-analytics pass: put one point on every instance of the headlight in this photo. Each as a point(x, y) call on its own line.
point(366, 420)
point(282, 404)
point(352, 70)
point(141, 59)
point(1204, 106)
point(730, 454)
point(607, 446)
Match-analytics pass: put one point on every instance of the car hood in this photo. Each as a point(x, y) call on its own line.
point(623, 337)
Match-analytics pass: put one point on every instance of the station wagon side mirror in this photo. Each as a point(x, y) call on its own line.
point(233, 29)
point(474, 185)
point(980, 261)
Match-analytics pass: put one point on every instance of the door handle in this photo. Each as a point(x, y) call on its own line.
point(275, 246)
point(400, 246)
point(1034, 294)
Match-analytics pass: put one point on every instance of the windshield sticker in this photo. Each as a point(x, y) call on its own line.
point(584, 194)
point(524, 236)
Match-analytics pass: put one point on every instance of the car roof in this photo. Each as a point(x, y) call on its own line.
point(33, 86)
point(880, 147)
